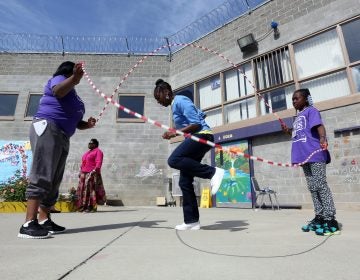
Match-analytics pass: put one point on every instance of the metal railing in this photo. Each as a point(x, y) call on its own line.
point(35, 43)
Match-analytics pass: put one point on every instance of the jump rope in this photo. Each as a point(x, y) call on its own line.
point(188, 135)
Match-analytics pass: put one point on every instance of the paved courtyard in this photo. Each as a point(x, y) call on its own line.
point(140, 243)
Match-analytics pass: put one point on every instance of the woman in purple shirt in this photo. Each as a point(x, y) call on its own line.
point(308, 136)
point(60, 112)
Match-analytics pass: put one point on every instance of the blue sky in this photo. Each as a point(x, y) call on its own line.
point(101, 17)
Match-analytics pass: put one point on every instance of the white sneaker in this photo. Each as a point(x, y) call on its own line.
point(192, 226)
point(216, 180)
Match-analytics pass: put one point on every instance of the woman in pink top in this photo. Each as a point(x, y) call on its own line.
point(91, 190)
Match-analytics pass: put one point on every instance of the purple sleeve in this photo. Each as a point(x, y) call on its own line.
point(314, 118)
point(56, 80)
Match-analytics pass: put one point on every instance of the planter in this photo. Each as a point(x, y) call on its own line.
point(17, 207)
point(66, 206)
point(12, 207)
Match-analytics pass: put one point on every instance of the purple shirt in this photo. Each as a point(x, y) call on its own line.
point(65, 112)
point(306, 138)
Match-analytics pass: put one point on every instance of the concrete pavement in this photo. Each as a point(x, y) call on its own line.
point(140, 243)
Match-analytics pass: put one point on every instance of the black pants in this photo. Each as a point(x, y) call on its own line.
point(187, 158)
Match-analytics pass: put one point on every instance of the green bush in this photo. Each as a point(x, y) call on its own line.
point(70, 196)
point(14, 189)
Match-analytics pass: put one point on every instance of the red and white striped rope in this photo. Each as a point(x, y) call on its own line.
point(187, 135)
point(193, 46)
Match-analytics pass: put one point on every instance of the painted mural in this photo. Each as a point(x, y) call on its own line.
point(14, 155)
point(235, 186)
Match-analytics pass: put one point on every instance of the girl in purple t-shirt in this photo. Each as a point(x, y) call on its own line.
point(308, 136)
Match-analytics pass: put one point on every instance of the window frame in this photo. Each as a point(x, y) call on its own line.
point(29, 118)
point(17, 94)
point(133, 119)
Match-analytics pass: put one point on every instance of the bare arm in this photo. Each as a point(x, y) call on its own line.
point(67, 85)
point(85, 125)
point(322, 134)
point(192, 128)
point(285, 129)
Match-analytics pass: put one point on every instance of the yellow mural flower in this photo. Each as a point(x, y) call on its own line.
point(27, 146)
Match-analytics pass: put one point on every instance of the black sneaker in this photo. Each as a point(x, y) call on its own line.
point(329, 228)
point(34, 231)
point(313, 225)
point(51, 227)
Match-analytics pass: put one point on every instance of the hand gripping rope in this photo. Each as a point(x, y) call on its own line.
point(186, 135)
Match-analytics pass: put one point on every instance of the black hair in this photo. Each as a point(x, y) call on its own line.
point(66, 68)
point(305, 92)
point(95, 141)
point(160, 87)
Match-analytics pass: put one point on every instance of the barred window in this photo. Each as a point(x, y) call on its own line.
point(273, 69)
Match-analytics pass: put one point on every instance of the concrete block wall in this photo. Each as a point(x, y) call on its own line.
point(343, 173)
point(127, 146)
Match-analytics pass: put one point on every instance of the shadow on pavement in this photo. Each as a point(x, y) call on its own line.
point(143, 224)
point(235, 225)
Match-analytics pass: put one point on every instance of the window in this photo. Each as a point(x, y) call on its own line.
point(210, 92)
point(7, 104)
point(352, 39)
point(133, 102)
point(236, 84)
point(242, 110)
point(328, 87)
point(318, 54)
point(356, 76)
point(277, 100)
point(188, 91)
point(33, 104)
point(214, 117)
point(273, 69)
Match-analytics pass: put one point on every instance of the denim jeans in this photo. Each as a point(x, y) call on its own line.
point(187, 158)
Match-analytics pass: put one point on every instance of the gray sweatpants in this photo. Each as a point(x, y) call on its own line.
point(50, 151)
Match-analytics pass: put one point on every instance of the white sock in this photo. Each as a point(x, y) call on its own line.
point(27, 223)
point(43, 222)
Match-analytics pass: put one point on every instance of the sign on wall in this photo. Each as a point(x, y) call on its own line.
point(14, 155)
point(235, 187)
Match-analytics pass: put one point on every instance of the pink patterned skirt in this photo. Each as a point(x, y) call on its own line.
point(90, 192)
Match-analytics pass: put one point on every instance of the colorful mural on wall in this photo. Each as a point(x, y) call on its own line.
point(14, 155)
point(235, 186)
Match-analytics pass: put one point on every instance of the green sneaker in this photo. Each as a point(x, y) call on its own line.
point(329, 228)
point(313, 225)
